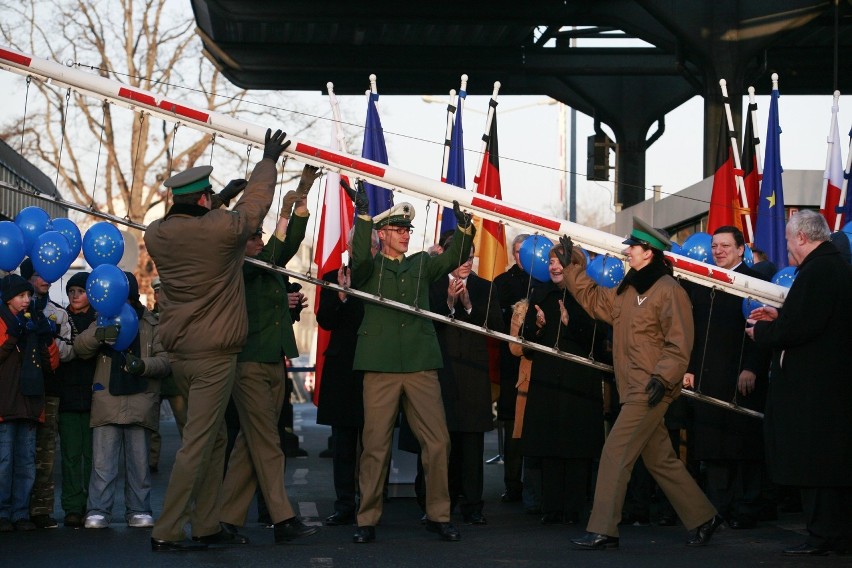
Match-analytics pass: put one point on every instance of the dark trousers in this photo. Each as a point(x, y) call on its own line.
point(465, 471)
point(344, 443)
point(76, 444)
point(733, 486)
point(512, 460)
point(564, 486)
point(828, 516)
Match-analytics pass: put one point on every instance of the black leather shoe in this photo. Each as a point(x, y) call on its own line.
point(446, 530)
point(158, 545)
point(806, 549)
point(595, 541)
point(704, 533)
point(364, 534)
point(475, 519)
point(742, 523)
point(291, 529)
point(339, 519)
point(227, 535)
point(510, 497)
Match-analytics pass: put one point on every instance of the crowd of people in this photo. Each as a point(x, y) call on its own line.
point(582, 446)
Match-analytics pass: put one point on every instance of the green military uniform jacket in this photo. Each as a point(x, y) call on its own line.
point(270, 328)
point(389, 340)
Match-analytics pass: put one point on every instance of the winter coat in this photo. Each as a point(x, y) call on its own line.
point(199, 256)
point(13, 404)
point(717, 358)
point(75, 376)
point(808, 422)
point(57, 314)
point(270, 326)
point(465, 377)
point(564, 412)
point(522, 384)
point(390, 340)
point(652, 330)
point(141, 409)
point(341, 395)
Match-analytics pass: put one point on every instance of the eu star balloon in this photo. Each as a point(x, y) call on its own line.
point(32, 221)
point(107, 289)
point(103, 244)
point(535, 256)
point(12, 248)
point(51, 256)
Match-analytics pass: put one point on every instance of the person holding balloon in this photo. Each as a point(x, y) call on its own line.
point(125, 407)
point(563, 419)
point(652, 339)
point(724, 366)
point(24, 362)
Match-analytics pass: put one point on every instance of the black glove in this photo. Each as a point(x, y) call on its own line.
point(359, 198)
point(275, 144)
point(41, 326)
point(564, 257)
point(134, 365)
point(107, 334)
point(655, 388)
point(233, 189)
point(463, 219)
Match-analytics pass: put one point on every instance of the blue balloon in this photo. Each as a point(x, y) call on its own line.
point(748, 257)
point(103, 244)
point(69, 229)
point(12, 248)
point(785, 276)
point(535, 256)
point(606, 270)
point(750, 304)
point(677, 249)
point(33, 221)
point(698, 247)
point(107, 289)
point(128, 326)
point(52, 256)
point(585, 254)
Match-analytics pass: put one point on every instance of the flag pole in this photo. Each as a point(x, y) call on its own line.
point(335, 113)
point(448, 138)
point(492, 106)
point(738, 168)
point(832, 130)
point(846, 172)
point(755, 130)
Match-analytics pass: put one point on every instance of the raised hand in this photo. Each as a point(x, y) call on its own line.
point(463, 219)
point(275, 144)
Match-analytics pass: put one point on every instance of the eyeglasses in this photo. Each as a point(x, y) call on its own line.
point(399, 230)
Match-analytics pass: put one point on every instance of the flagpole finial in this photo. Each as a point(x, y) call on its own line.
point(775, 81)
point(496, 89)
point(723, 83)
point(751, 91)
point(330, 87)
point(836, 95)
point(373, 87)
point(464, 82)
point(452, 92)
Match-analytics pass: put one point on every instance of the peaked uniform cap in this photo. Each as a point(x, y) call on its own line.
point(399, 216)
point(192, 180)
point(645, 234)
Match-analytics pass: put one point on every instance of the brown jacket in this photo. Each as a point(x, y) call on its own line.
point(199, 257)
point(652, 332)
point(143, 408)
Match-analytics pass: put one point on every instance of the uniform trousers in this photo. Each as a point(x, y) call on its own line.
point(193, 491)
point(178, 406)
point(420, 394)
point(257, 458)
point(42, 498)
point(640, 430)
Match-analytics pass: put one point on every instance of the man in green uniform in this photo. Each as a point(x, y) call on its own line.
point(399, 354)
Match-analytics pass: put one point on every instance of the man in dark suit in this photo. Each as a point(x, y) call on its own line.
point(723, 366)
point(340, 400)
point(465, 379)
point(808, 423)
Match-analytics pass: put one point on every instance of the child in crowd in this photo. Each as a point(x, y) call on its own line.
point(27, 352)
point(125, 409)
point(75, 403)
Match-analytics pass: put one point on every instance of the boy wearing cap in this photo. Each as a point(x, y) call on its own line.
point(23, 358)
point(399, 354)
point(652, 341)
point(203, 326)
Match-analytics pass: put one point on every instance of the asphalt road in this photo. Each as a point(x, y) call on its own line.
point(510, 539)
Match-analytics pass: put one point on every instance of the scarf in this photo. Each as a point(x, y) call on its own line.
point(643, 279)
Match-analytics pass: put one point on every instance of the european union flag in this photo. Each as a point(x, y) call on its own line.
point(771, 216)
point(374, 149)
point(455, 164)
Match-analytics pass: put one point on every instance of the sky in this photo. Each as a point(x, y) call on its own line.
point(529, 141)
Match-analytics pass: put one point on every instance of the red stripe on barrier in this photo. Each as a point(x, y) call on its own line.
point(15, 57)
point(510, 211)
point(136, 96)
point(701, 270)
point(341, 160)
point(181, 110)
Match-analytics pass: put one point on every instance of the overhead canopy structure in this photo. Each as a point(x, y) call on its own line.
point(635, 61)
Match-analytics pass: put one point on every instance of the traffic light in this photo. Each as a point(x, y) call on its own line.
point(597, 157)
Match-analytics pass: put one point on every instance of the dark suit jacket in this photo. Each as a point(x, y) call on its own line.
point(341, 388)
point(465, 379)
